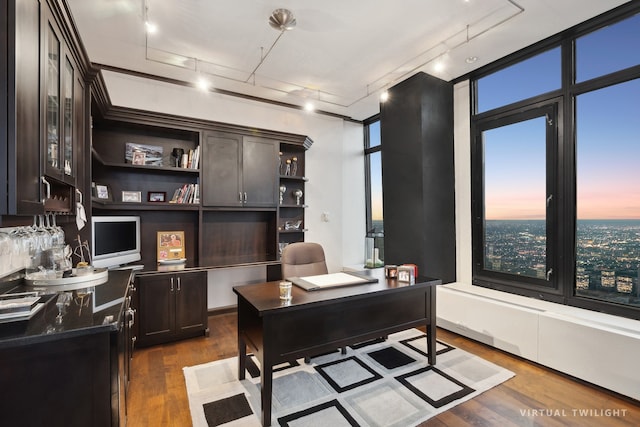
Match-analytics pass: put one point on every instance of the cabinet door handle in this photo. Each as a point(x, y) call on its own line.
point(245, 197)
point(48, 192)
point(240, 196)
point(172, 284)
point(178, 284)
point(132, 320)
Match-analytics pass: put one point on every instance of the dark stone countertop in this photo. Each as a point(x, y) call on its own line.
point(79, 318)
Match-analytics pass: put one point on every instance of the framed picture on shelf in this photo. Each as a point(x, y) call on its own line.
point(170, 245)
point(152, 153)
point(102, 192)
point(131, 196)
point(138, 158)
point(157, 196)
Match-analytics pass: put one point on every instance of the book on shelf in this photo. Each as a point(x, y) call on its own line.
point(188, 193)
point(193, 158)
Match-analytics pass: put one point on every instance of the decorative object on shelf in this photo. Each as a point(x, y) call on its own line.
point(139, 158)
point(293, 225)
point(170, 246)
point(282, 191)
point(152, 153)
point(298, 194)
point(371, 254)
point(132, 196)
point(281, 246)
point(287, 170)
point(184, 163)
point(406, 273)
point(177, 153)
point(294, 166)
point(156, 196)
point(280, 163)
point(102, 192)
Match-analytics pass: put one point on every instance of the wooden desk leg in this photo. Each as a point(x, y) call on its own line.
point(242, 357)
point(431, 344)
point(431, 327)
point(266, 384)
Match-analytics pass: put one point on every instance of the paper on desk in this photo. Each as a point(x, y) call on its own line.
point(334, 279)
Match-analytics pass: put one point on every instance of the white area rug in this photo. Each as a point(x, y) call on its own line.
point(378, 383)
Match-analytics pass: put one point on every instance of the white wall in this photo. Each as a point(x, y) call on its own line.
point(334, 164)
point(595, 347)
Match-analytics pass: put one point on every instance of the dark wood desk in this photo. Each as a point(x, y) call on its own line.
point(324, 320)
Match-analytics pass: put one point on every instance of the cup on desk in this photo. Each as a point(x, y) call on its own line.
point(285, 290)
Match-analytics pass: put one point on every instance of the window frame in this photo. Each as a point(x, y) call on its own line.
point(564, 218)
point(368, 150)
point(529, 286)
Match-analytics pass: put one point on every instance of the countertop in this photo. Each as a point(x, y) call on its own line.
point(79, 316)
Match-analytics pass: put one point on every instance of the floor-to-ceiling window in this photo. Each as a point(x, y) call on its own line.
point(556, 168)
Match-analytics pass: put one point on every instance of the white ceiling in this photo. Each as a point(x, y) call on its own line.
point(341, 55)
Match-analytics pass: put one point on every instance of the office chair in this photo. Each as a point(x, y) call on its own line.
point(304, 259)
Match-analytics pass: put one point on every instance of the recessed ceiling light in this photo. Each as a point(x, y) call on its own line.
point(384, 96)
point(471, 59)
point(150, 27)
point(438, 66)
point(309, 106)
point(203, 84)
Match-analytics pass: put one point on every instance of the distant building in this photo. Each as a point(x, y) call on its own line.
point(582, 279)
point(624, 284)
point(608, 279)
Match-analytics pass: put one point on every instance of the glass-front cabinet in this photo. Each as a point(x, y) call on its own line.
point(59, 114)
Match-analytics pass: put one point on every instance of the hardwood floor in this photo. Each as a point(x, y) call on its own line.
point(536, 396)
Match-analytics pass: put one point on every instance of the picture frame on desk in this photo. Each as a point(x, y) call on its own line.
point(156, 196)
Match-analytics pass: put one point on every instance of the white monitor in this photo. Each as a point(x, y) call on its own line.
point(115, 240)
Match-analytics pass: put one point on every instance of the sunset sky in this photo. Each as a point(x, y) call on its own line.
point(607, 127)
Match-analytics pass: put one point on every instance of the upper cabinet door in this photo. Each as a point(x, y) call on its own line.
point(52, 101)
point(220, 164)
point(22, 192)
point(259, 172)
point(60, 74)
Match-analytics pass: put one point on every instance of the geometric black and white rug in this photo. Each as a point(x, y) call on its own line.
point(377, 383)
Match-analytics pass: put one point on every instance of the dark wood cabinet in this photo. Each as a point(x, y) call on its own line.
point(172, 306)
point(62, 93)
point(42, 94)
point(241, 171)
point(418, 177)
point(21, 138)
point(68, 370)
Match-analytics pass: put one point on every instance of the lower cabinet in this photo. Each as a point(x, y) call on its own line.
point(172, 306)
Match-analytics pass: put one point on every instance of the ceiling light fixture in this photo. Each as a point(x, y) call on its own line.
point(309, 106)
point(471, 59)
point(203, 84)
point(282, 20)
point(150, 27)
point(384, 96)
